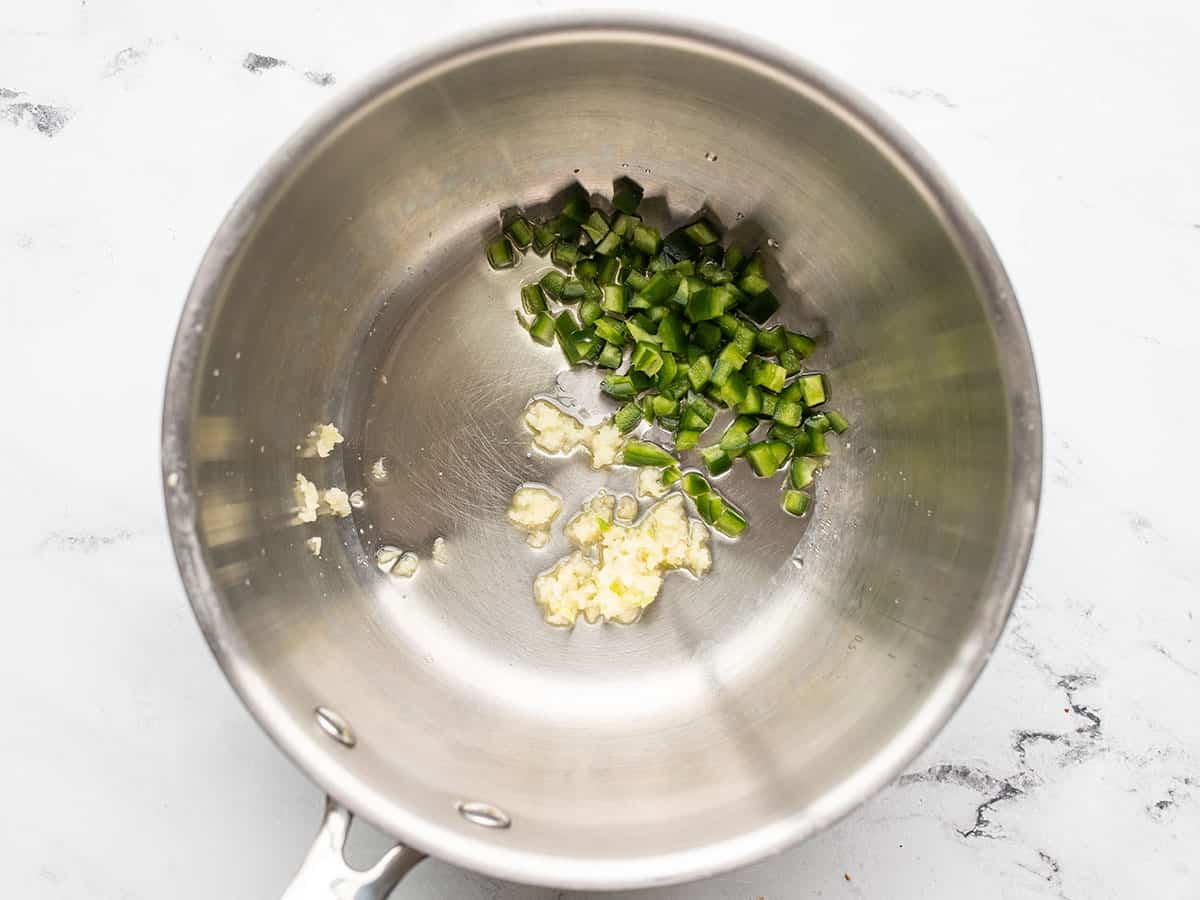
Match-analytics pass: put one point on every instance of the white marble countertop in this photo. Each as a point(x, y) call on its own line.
point(127, 127)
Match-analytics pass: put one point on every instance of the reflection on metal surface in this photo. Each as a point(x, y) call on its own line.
point(216, 438)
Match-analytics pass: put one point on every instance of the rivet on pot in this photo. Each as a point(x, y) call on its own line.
point(484, 815)
point(335, 726)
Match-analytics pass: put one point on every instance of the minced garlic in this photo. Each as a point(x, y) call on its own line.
point(650, 483)
point(440, 556)
point(589, 524)
point(336, 501)
point(386, 556)
point(307, 498)
point(627, 508)
point(605, 445)
point(394, 561)
point(325, 438)
point(406, 565)
point(532, 510)
point(314, 546)
point(619, 570)
point(556, 431)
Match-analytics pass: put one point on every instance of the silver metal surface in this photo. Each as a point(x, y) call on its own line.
point(747, 710)
point(335, 726)
point(325, 875)
point(484, 815)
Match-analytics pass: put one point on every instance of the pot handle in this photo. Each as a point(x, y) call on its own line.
point(325, 874)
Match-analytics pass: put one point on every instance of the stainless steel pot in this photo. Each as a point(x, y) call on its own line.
point(745, 711)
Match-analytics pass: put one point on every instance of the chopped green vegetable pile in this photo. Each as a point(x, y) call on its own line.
point(693, 316)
